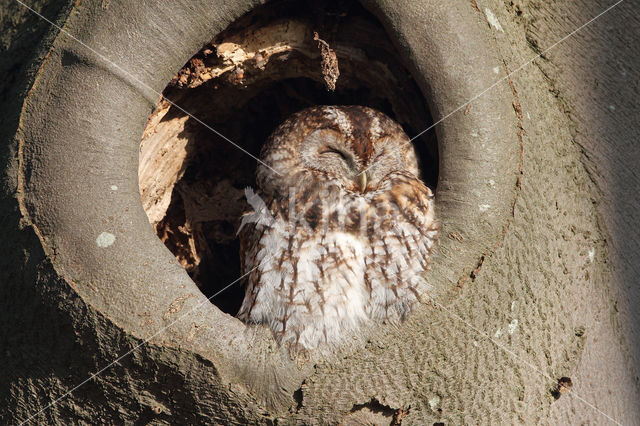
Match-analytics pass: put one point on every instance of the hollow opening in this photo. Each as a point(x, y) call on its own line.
point(264, 67)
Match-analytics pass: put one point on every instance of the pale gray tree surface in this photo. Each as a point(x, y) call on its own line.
point(534, 279)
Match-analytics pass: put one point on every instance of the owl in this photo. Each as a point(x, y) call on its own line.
point(342, 228)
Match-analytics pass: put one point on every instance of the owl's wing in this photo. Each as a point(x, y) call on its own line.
point(305, 283)
point(400, 243)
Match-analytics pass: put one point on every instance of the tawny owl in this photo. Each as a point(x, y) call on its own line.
point(342, 230)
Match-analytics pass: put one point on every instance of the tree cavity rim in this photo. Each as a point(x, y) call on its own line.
point(81, 128)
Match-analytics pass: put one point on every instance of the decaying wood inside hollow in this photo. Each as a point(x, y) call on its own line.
point(237, 89)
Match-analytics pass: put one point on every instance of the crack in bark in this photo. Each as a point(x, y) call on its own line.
point(376, 407)
point(298, 397)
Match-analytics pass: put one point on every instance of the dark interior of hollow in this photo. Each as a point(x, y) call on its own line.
point(247, 114)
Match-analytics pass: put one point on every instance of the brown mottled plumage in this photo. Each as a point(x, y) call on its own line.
point(346, 229)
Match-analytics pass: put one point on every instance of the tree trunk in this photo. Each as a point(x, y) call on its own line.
point(533, 279)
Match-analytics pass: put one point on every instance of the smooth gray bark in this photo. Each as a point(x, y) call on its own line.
point(538, 288)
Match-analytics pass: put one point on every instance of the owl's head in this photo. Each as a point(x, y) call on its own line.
point(354, 147)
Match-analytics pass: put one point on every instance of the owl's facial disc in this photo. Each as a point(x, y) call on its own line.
point(324, 150)
point(357, 164)
point(358, 177)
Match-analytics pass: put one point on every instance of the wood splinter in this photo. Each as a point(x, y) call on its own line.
point(330, 71)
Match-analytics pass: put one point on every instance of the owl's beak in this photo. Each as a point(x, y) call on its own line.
point(361, 180)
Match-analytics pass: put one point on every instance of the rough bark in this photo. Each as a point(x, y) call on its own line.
point(536, 289)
